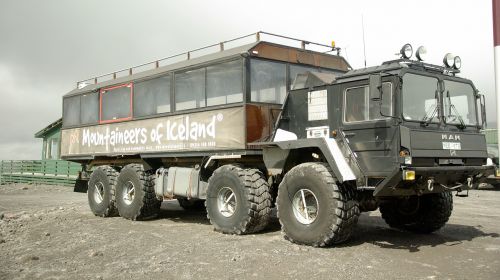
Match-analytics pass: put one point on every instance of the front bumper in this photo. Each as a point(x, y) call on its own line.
point(443, 178)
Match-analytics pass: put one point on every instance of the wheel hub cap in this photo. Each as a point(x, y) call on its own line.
point(226, 202)
point(305, 206)
point(98, 192)
point(128, 193)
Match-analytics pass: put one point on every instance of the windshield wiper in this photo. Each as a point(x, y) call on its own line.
point(429, 115)
point(428, 118)
point(457, 115)
point(461, 125)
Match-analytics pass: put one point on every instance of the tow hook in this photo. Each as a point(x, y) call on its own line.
point(430, 185)
point(469, 185)
point(469, 182)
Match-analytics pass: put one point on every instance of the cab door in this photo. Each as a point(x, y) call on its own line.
point(368, 128)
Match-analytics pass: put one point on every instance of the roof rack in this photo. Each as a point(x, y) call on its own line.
point(188, 55)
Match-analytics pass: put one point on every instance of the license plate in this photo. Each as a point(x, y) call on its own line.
point(452, 146)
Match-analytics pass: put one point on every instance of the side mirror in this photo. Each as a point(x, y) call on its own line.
point(482, 103)
point(375, 86)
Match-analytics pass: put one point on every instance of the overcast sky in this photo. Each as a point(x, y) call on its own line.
point(46, 46)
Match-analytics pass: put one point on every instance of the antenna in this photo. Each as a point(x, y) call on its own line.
point(363, 28)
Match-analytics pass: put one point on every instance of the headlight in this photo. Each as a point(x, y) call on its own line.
point(406, 51)
point(457, 62)
point(421, 53)
point(449, 60)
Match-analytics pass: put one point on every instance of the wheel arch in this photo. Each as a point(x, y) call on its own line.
point(280, 157)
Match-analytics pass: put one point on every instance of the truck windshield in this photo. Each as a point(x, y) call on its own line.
point(459, 103)
point(420, 97)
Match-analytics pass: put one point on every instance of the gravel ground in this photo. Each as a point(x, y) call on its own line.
point(49, 232)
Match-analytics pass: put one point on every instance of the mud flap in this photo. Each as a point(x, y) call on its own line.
point(81, 186)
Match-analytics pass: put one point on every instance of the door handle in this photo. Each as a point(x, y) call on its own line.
point(349, 134)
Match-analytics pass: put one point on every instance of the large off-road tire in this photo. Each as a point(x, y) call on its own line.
point(101, 191)
point(424, 214)
point(191, 204)
point(313, 209)
point(135, 193)
point(238, 200)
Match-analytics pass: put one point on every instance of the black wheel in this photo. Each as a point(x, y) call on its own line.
point(238, 200)
point(313, 209)
point(424, 214)
point(101, 191)
point(191, 204)
point(135, 194)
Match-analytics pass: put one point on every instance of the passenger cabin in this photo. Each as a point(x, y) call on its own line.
point(221, 101)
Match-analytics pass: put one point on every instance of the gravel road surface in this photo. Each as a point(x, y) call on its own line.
point(48, 232)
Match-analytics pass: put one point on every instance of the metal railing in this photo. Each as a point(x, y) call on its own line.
point(50, 172)
point(188, 55)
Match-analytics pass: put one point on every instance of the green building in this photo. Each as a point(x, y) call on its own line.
point(51, 135)
point(49, 170)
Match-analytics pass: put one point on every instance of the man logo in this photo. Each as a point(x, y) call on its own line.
point(450, 137)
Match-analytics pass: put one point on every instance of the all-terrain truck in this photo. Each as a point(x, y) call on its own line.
point(265, 124)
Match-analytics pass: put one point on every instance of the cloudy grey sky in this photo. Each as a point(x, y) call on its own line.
point(46, 46)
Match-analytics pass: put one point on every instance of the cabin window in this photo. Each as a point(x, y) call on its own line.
point(152, 96)
point(267, 81)
point(225, 83)
point(298, 69)
point(71, 111)
point(116, 103)
point(358, 105)
point(89, 109)
point(190, 89)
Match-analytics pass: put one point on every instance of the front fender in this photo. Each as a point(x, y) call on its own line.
point(276, 153)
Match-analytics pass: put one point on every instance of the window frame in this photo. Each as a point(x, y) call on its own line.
point(367, 98)
point(435, 120)
point(102, 91)
point(171, 95)
point(79, 123)
point(242, 77)
point(473, 95)
point(249, 79)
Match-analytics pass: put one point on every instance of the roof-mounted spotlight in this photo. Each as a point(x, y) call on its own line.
point(406, 51)
point(421, 53)
point(449, 60)
point(457, 62)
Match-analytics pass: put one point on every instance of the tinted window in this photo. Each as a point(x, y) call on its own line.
point(459, 103)
point(360, 107)
point(419, 97)
point(225, 83)
point(89, 108)
point(152, 96)
point(267, 81)
point(71, 108)
point(356, 104)
point(116, 103)
point(190, 89)
point(297, 69)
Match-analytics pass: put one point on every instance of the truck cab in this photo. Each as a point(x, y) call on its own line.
point(407, 127)
point(399, 137)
